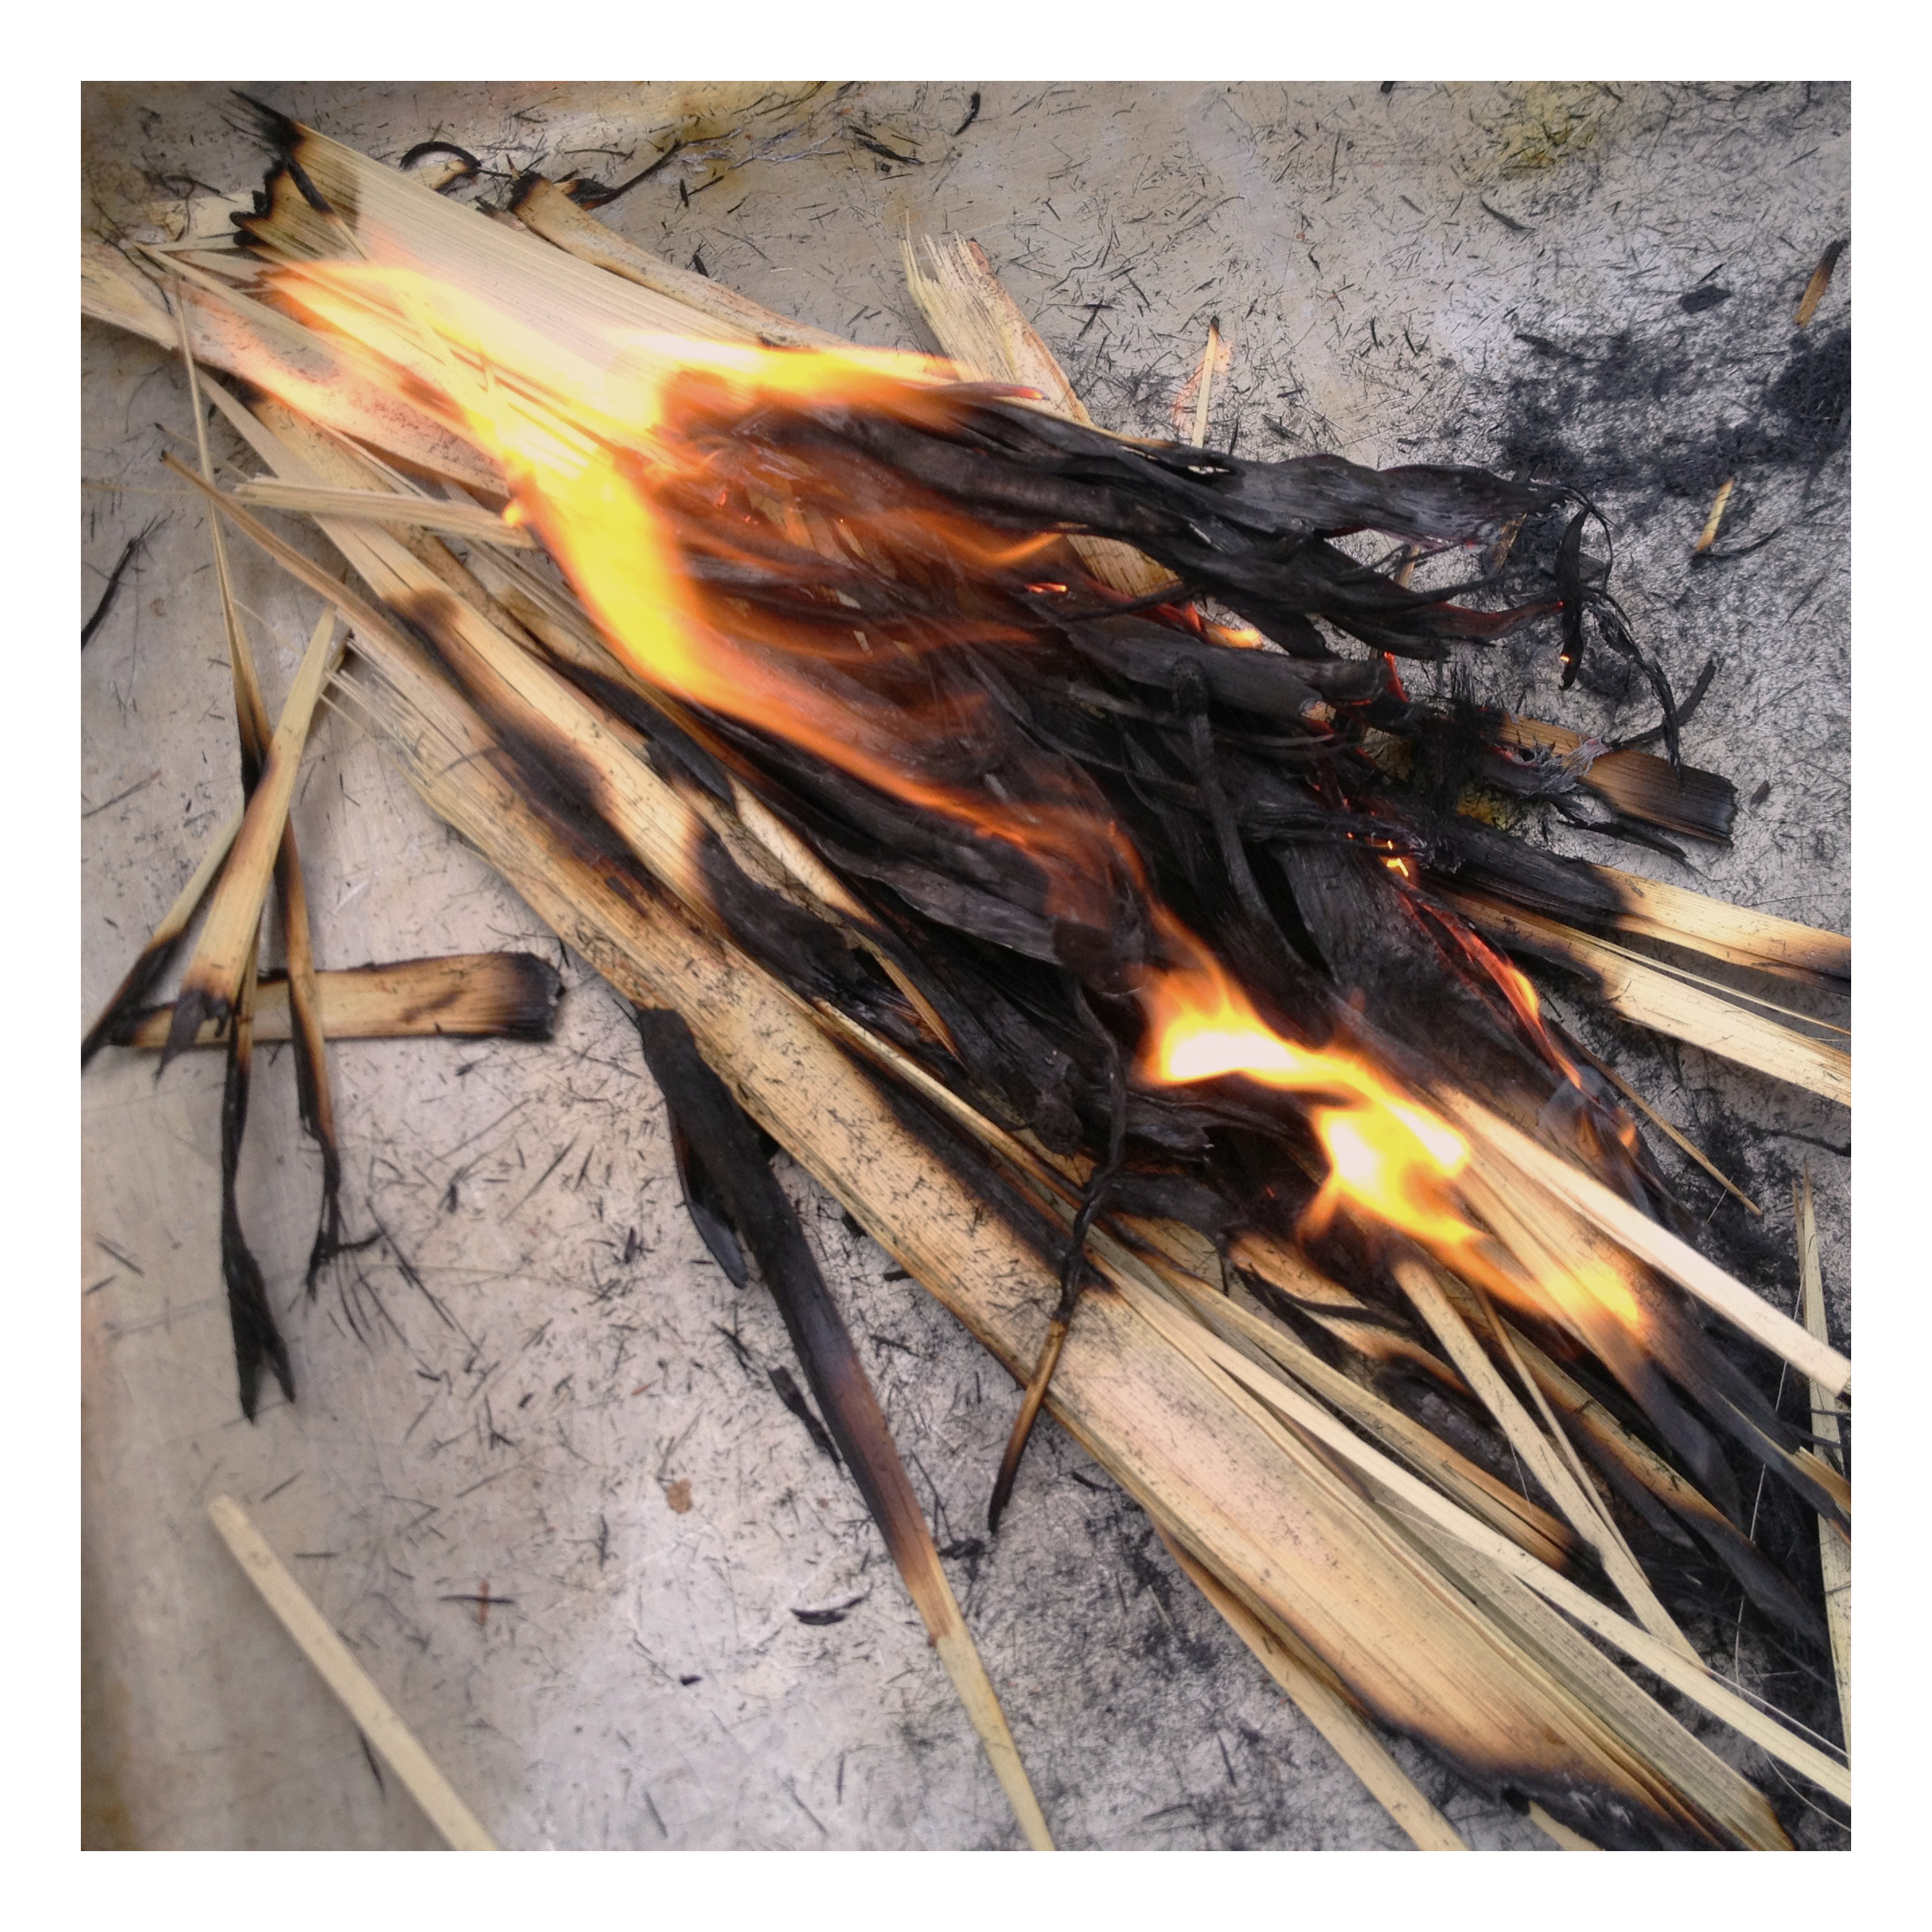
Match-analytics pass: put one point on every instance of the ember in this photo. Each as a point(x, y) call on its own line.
point(1117, 909)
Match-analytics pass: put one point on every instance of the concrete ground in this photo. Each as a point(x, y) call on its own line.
point(536, 1388)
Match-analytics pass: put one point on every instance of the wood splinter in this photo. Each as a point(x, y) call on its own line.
point(464, 996)
point(374, 1717)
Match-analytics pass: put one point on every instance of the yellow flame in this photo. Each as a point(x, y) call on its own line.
point(1389, 1154)
point(593, 436)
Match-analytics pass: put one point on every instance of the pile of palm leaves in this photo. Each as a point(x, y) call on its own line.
point(979, 803)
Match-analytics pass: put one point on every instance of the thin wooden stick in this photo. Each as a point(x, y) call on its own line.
point(1834, 1546)
point(209, 990)
point(722, 1135)
point(1354, 1740)
point(469, 520)
point(152, 959)
point(1210, 357)
point(466, 995)
point(372, 1712)
point(1037, 1386)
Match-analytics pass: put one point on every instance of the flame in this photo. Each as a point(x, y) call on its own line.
point(620, 451)
point(1242, 636)
point(1389, 1156)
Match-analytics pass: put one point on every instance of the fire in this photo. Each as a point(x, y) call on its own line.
point(619, 454)
point(622, 454)
point(1389, 1156)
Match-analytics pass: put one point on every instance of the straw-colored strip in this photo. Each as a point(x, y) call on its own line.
point(375, 1716)
point(381, 506)
point(1649, 1242)
point(1557, 1832)
point(214, 974)
point(464, 996)
point(1834, 1546)
point(1570, 1493)
point(1210, 360)
point(1524, 1523)
point(1672, 1002)
point(1722, 930)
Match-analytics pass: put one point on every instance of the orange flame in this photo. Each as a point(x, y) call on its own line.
point(1389, 1154)
point(617, 451)
point(611, 450)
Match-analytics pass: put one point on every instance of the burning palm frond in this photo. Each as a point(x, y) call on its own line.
point(1121, 970)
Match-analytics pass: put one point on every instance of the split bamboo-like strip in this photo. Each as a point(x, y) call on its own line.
point(384, 506)
point(1724, 930)
point(1636, 782)
point(214, 974)
point(1834, 1546)
point(1643, 1467)
point(1670, 1002)
point(714, 1126)
point(465, 995)
point(1565, 1839)
point(1523, 1522)
point(1522, 1158)
point(231, 331)
point(373, 1714)
point(1814, 289)
point(1344, 1315)
point(1539, 1454)
point(152, 959)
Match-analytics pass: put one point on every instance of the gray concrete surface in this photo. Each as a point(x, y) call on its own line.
point(516, 1391)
